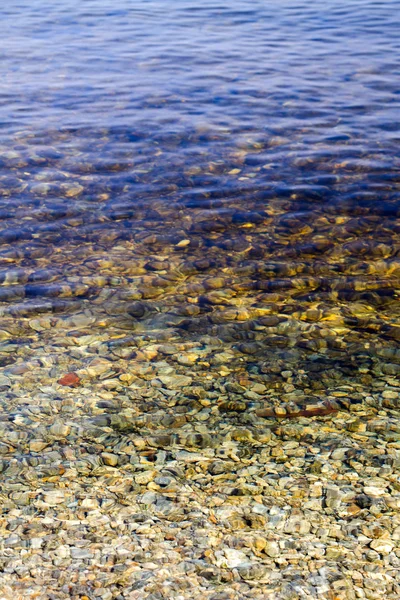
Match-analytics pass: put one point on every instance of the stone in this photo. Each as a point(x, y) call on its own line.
point(37, 445)
point(54, 497)
point(233, 558)
point(12, 541)
point(59, 430)
point(145, 477)
point(272, 549)
point(333, 497)
point(109, 459)
point(374, 491)
point(70, 380)
point(81, 553)
point(175, 381)
point(383, 546)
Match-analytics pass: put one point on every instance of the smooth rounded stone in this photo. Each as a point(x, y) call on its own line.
point(164, 481)
point(222, 358)
point(374, 491)
point(258, 388)
point(339, 454)
point(98, 366)
point(393, 501)
point(40, 324)
point(42, 189)
point(59, 430)
point(63, 551)
point(187, 359)
point(21, 498)
point(36, 543)
point(12, 541)
point(72, 189)
point(297, 524)
point(90, 503)
point(210, 573)
point(191, 457)
point(235, 388)
point(252, 396)
point(199, 440)
point(218, 467)
point(109, 459)
point(249, 348)
point(231, 558)
point(196, 391)
point(70, 380)
point(391, 369)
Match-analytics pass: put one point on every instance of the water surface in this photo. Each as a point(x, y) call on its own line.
point(218, 176)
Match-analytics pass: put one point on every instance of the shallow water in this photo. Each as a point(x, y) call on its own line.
point(199, 238)
point(224, 178)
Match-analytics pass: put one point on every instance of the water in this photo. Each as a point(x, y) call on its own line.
point(220, 177)
point(199, 235)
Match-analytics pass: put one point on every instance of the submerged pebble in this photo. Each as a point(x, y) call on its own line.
point(199, 316)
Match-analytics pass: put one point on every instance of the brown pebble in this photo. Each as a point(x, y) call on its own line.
point(70, 379)
point(326, 408)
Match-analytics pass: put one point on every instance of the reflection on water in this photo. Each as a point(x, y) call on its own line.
point(220, 178)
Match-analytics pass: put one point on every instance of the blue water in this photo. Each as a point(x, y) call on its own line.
point(321, 69)
point(263, 136)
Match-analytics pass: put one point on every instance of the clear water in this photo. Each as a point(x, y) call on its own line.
point(217, 164)
point(199, 228)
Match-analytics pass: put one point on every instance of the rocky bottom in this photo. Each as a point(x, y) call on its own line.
point(157, 478)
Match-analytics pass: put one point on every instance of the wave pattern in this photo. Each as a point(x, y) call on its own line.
point(234, 171)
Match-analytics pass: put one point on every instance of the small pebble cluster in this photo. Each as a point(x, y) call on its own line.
point(158, 479)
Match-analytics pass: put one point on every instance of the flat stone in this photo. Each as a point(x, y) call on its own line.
point(383, 546)
point(374, 491)
point(12, 541)
point(175, 381)
point(54, 497)
point(81, 553)
point(37, 445)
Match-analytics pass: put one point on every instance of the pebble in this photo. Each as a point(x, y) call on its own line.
point(54, 497)
point(80, 553)
point(199, 422)
point(382, 546)
point(272, 549)
point(109, 459)
point(174, 381)
point(70, 379)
